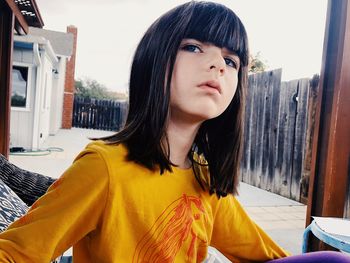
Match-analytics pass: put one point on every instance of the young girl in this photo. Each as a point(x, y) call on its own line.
point(160, 190)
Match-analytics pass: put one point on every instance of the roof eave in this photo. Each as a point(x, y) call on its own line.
point(40, 22)
point(21, 22)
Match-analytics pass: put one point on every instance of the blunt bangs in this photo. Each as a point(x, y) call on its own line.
point(216, 24)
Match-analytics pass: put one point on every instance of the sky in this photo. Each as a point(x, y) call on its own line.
point(288, 33)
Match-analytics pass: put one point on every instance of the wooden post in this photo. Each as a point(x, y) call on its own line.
point(7, 22)
point(331, 146)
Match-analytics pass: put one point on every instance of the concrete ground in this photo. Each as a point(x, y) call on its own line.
point(281, 218)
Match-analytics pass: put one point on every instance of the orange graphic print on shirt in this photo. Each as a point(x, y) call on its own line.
point(174, 231)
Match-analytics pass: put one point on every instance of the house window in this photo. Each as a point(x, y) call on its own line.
point(19, 96)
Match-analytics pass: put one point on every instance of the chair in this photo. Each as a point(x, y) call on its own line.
point(324, 229)
point(28, 187)
point(214, 256)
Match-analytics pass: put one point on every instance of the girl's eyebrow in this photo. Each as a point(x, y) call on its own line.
point(232, 53)
point(191, 40)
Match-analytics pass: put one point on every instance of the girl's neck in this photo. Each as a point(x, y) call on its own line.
point(180, 137)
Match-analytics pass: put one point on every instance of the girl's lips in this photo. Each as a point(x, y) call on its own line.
point(211, 84)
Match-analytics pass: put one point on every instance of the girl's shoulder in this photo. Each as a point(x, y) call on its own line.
point(107, 152)
point(107, 148)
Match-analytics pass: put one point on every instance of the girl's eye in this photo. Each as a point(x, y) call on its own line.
point(192, 48)
point(231, 63)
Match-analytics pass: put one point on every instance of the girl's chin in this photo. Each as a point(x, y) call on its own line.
point(204, 116)
point(197, 113)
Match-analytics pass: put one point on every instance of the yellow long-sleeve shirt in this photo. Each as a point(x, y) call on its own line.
point(113, 210)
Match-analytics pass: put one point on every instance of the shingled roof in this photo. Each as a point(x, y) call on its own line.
point(61, 42)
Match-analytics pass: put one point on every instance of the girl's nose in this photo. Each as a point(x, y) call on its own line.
point(221, 70)
point(217, 63)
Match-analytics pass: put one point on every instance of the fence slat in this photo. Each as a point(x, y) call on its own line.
point(300, 137)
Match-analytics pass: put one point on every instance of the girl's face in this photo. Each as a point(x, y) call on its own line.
point(204, 81)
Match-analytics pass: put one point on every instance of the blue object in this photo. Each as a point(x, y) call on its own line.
point(337, 241)
point(23, 45)
point(66, 259)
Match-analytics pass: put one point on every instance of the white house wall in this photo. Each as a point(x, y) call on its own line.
point(31, 126)
point(21, 122)
point(45, 99)
point(22, 125)
point(57, 96)
point(23, 56)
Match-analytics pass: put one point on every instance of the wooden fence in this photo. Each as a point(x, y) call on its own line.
point(99, 114)
point(277, 140)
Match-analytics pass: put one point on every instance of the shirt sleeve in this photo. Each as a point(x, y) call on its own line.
point(68, 212)
point(239, 238)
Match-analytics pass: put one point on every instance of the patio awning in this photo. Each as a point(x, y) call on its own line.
point(15, 15)
point(26, 14)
